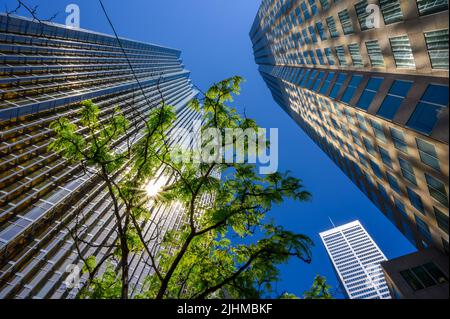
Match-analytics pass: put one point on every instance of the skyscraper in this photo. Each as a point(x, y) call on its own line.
point(368, 82)
point(357, 261)
point(46, 71)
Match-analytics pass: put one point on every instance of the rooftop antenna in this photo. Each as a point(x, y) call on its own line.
point(334, 226)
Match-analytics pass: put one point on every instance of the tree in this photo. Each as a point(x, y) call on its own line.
point(319, 290)
point(203, 259)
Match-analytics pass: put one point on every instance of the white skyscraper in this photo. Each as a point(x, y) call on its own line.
point(356, 259)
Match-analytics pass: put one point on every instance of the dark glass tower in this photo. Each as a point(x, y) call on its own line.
point(370, 86)
point(46, 70)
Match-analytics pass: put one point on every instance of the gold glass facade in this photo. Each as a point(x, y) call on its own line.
point(46, 70)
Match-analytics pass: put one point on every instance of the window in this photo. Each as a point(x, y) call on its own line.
point(415, 200)
point(327, 83)
point(407, 171)
point(351, 89)
point(330, 56)
point(375, 54)
point(313, 5)
point(363, 160)
point(401, 207)
point(376, 169)
point(362, 14)
point(306, 37)
point(299, 16)
point(356, 138)
point(391, 11)
point(423, 228)
point(399, 90)
point(305, 77)
point(385, 196)
point(337, 86)
point(369, 147)
point(378, 131)
point(321, 31)
point(437, 190)
point(385, 157)
point(446, 247)
point(442, 220)
point(305, 11)
point(356, 55)
point(346, 23)
point(424, 276)
point(428, 110)
point(300, 39)
point(319, 80)
point(437, 45)
point(369, 93)
point(431, 6)
point(362, 122)
point(399, 140)
point(324, 3)
point(402, 52)
point(311, 79)
point(332, 27)
point(320, 56)
point(393, 183)
point(428, 154)
point(313, 34)
point(340, 53)
point(313, 58)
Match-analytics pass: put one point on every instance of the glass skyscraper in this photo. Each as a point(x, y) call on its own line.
point(357, 260)
point(368, 82)
point(46, 70)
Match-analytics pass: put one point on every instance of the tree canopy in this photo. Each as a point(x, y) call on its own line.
point(227, 246)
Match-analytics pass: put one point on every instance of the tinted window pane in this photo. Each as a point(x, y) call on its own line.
point(425, 117)
point(436, 273)
point(437, 190)
point(391, 11)
point(375, 54)
point(431, 6)
point(423, 276)
point(351, 89)
point(437, 45)
point(416, 201)
point(412, 281)
point(441, 219)
point(428, 154)
point(437, 94)
point(390, 107)
point(401, 49)
point(400, 88)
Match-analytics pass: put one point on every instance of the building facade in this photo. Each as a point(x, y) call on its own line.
point(46, 70)
point(357, 261)
point(368, 82)
point(421, 275)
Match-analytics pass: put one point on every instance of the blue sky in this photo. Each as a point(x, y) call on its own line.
point(213, 35)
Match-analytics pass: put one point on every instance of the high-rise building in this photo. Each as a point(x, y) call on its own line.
point(46, 71)
point(357, 261)
point(368, 82)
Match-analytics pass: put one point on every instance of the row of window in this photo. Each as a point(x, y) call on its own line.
point(426, 150)
point(424, 276)
point(428, 156)
point(437, 47)
point(425, 117)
